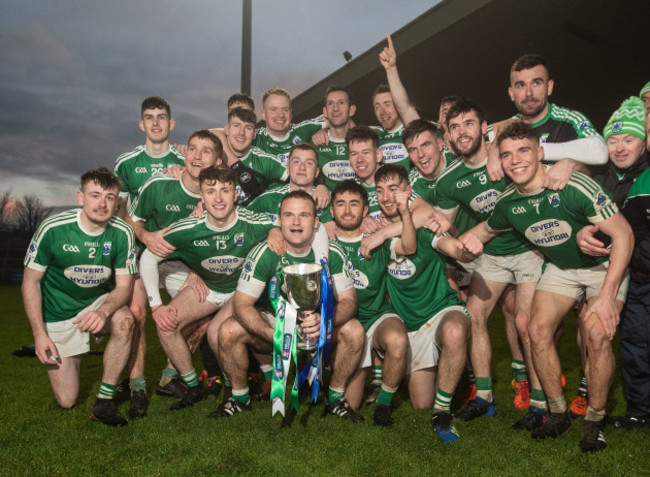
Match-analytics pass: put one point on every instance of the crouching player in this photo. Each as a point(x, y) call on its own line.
point(550, 220)
point(437, 322)
point(78, 277)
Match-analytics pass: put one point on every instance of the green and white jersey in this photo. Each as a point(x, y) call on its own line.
point(161, 201)
point(370, 278)
point(550, 219)
point(281, 147)
point(468, 186)
point(269, 166)
point(417, 284)
point(136, 167)
point(392, 147)
point(269, 202)
point(262, 264)
point(424, 187)
point(78, 265)
point(217, 254)
point(334, 163)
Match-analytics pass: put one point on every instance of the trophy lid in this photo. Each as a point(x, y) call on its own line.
point(302, 269)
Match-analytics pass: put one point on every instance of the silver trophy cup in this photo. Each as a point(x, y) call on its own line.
point(302, 282)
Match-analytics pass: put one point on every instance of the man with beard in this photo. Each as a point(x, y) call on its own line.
point(563, 132)
point(507, 262)
point(385, 331)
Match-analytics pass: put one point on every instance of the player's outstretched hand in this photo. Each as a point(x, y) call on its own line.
point(91, 322)
point(589, 244)
point(166, 317)
point(388, 57)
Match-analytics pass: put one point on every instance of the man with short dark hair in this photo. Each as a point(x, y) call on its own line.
point(78, 275)
point(252, 328)
point(549, 219)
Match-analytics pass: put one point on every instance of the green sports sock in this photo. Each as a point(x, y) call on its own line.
point(484, 388)
point(137, 384)
point(106, 391)
point(267, 371)
point(443, 401)
point(385, 396)
point(241, 395)
point(538, 398)
point(519, 370)
point(376, 376)
point(335, 394)
point(191, 378)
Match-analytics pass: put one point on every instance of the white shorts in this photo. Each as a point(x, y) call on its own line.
point(66, 336)
point(173, 274)
point(366, 359)
point(219, 299)
point(423, 347)
point(521, 268)
point(579, 283)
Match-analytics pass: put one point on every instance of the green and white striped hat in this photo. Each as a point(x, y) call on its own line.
point(628, 119)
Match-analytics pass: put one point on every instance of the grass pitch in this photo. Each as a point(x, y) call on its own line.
point(38, 438)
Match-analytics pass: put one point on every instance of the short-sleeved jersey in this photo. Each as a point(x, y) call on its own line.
point(468, 186)
point(134, 168)
point(78, 265)
point(562, 125)
point(334, 163)
point(417, 284)
point(280, 148)
point(370, 278)
point(161, 201)
point(424, 187)
point(392, 147)
point(550, 219)
point(272, 171)
point(269, 202)
point(262, 264)
point(217, 254)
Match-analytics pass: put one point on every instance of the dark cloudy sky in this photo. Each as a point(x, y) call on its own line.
point(73, 72)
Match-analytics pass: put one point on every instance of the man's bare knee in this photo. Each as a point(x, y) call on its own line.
point(122, 324)
point(540, 335)
point(352, 334)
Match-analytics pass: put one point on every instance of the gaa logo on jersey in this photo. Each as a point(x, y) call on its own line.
point(554, 200)
point(106, 249)
point(70, 248)
point(141, 170)
point(239, 240)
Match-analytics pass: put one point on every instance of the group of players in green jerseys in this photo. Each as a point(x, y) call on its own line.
point(399, 212)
